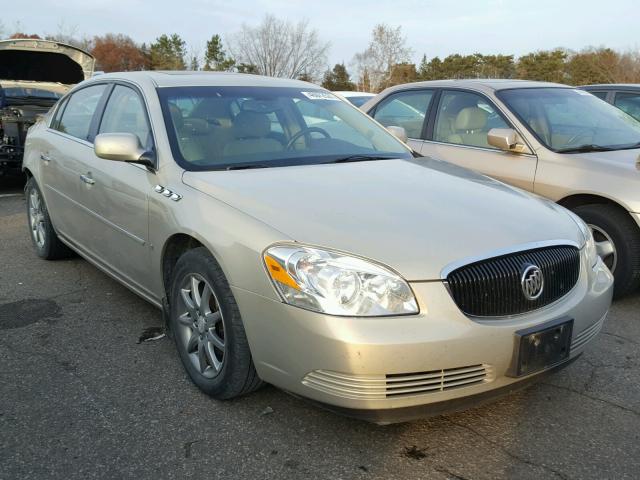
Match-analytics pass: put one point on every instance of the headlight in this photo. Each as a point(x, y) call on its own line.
point(589, 242)
point(336, 283)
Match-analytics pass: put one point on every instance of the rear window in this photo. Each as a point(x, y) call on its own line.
point(79, 111)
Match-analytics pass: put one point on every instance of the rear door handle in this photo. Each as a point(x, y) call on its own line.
point(87, 179)
point(45, 157)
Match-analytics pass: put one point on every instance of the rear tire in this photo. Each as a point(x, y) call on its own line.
point(611, 223)
point(208, 329)
point(43, 237)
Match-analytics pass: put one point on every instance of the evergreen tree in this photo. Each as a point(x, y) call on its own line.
point(168, 53)
point(338, 79)
point(215, 58)
point(247, 68)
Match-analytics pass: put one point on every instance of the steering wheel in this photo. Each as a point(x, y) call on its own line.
point(307, 131)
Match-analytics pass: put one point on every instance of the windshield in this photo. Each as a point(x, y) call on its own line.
point(28, 92)
point(214, 128)
point(570, 119)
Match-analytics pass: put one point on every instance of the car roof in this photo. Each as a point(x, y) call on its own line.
point(162, 79)
point(612, 86)
point(482, 84)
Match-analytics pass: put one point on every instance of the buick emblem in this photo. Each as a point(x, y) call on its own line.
point(532, 282)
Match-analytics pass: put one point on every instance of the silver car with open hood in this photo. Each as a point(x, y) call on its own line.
point(34, 74)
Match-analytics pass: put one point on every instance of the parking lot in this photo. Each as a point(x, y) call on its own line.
point(80, 397)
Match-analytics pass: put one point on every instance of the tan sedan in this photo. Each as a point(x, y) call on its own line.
point(290, 239)
point(553, 140)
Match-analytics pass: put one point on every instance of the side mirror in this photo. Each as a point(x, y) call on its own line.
point(399, 132)
point(505, 139)
point(121, 147)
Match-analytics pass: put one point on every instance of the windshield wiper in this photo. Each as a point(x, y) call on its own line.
point(585, 149)
point(247, 166)
point(360, 158)
point(630, 147)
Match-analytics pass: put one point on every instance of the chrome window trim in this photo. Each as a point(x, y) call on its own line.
point(483, 149)
point(86, 143)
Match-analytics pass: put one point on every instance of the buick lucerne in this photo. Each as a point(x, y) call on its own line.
point(288, 238)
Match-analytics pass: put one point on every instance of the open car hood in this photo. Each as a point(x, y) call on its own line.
point(44, 61)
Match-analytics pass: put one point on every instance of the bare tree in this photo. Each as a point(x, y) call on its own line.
point(386, 50)
point(69, 34)
point(279, 48)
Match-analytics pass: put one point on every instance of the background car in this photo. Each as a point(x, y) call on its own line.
point(356, 98)
point(550, 139)
point(330, 263)
point(34, 74)
point(625, 96)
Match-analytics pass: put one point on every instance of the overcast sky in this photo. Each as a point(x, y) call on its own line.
point(432, 27)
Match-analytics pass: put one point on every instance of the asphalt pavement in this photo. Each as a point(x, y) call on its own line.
point(80, 397)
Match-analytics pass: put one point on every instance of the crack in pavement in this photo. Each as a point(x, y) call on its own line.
point(595, 399)
point(51, 358)
point(510, 454)
point(621, 337)
point(449, 473)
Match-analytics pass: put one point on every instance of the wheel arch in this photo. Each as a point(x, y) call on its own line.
point(176, 245)
point(578, 199)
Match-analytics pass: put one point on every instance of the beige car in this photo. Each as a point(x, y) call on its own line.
point(312, 252)
point(553, 140)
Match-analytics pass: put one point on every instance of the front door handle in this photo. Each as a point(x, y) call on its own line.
point(87, 179)
point(45, 157)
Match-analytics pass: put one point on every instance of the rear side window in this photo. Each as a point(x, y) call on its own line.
point(125, 113)
point(600, 95)
point(628, 103)
point(405, 109)
point(58, 114)
point(81, 106)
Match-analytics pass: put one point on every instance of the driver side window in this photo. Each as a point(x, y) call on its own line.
point(125, 113)
point(465, 118)
point(405, 109)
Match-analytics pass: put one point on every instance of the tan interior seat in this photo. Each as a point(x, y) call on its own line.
point(251, 130)
point(470, 127)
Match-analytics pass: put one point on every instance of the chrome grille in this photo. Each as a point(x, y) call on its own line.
point(397, 385)
point(492, 287)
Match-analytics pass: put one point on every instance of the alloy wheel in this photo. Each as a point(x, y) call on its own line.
point(605, 247)
point(36, 218)
point(201, 326)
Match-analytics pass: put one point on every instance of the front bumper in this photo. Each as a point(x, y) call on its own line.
point(381, 365)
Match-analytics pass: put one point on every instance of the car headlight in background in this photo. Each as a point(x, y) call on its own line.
point(590, 243)
point(336, 283)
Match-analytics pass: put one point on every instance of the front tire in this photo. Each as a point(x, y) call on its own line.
point(617, 239)
point(207, 328)
point(43, 236)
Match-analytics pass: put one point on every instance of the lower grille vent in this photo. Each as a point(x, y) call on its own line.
point(397, 385)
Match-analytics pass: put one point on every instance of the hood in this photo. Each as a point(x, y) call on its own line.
point(48, 86)
point(416, 216)
point(44, 61)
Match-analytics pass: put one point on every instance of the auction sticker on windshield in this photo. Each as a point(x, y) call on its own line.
point(320, 96)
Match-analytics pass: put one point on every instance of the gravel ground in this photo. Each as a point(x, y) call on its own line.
point(81, 398)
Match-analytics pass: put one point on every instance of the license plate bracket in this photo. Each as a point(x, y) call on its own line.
point(541, 347)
